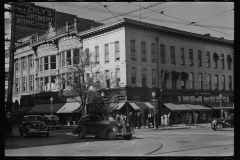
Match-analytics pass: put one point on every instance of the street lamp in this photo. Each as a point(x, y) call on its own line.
point(155, 126)
point(220, 96)
point(51, 99)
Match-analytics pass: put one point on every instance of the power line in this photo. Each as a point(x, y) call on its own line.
point(213, 30)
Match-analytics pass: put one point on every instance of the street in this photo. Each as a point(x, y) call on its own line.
point(173, 141)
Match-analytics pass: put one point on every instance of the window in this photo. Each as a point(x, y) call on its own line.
point(24, 63)
point(46, 63)
point(133, 50)
point(17, 84)
point(69, 58)
point(209, 81)
point(97, 54)
point(63, 81)
point(154, 79)
point(133, 75)
point(76, 56)
point(165, 76)
point(222, 61)
point(24, 84)
point(163, 53)
point(215, 61)
point(229, 61)
point(31, 82)
point(118, 77)
point(200, 82)
point(87, 57)
point(53, 83)
point(41, 64)
point(182, 56)
point(174, 84)
point(172, 50)
point(107, 78)
point(63, 59)
point(216, 82)
point(191, 77)
point(223, 82)
point(199, 58)
point(230, 82)
point(190, 57)
point(31, 61)
point(208, 59)
point(144, 77)
point(143, 50)
point(117, 52)
point(17, 64)
point(153, 52)
point(46, 85)
point(106, 51)
point(53, 62)
point(41, 84)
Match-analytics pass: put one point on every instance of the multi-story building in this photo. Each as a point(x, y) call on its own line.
point(181, 67)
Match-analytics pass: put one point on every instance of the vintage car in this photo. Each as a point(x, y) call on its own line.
point(92, 124)
point(53, 121)
point(220, 123)
point(34, 124)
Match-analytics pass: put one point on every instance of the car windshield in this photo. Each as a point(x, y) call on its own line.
point(29, 119)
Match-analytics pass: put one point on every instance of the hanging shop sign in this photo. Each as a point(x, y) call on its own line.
point(37, 17)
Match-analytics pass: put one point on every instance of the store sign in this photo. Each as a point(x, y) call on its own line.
point(37, 17)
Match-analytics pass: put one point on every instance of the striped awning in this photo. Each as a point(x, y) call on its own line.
point(135, 105)
point(69, 107)
point(22, 110)
point(199, 107)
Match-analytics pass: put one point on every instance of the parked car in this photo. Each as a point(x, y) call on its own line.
point(34, 124)
point(92, 124)
point(53, 121)
point(220, 123)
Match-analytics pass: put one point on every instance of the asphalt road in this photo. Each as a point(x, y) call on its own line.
point(145, 142)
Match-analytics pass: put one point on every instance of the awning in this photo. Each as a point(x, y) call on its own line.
point(37, 109)
point(144, 105)
point(200, 106)
point(135, 105)
point(69, 107)
point(55, 108)
point(177, 107)
point(119, 106)
point(216, 105)
point(22, 110)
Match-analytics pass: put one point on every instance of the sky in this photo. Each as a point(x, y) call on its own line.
point(216, 18)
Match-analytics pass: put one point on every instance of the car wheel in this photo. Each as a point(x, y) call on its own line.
point(81, 135)
point(219, 127)
point(127, 137)
point(21, 134)
point(47, 134)
point(97, 136)
point(111, 135)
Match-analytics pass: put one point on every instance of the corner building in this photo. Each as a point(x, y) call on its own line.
point(180, 67)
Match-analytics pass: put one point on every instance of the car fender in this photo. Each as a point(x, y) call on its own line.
point(78, 129)
point(223, 124)
point(114, 128)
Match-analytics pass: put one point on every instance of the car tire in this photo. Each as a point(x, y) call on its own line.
point(219, 127)
point(128, 137)
point(81, 135)
point(47, 134)
point(97, 136)
point(111, 135)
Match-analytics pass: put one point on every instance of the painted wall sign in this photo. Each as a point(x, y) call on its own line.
point(37, 17)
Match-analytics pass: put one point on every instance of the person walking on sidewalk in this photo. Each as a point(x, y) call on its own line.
point(169, 119)
point(190, 119)
point(195, 118)
point(187, 118)
point(162, 120)
point(165, 119)
point(183, 118)
point(130, 120)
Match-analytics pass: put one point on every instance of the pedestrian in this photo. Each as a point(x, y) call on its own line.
point(135, 121)
point(162, 120)
point(190, 119)
point(139, 120)
point(130, 121)
point(143, 120)
point(118, 118)
point(183, 118)
point(165, 119)
point(195, 119)
point(169, 119)
point(149, 119)
point(187, 117)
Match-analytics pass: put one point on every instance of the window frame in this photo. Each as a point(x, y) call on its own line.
point(163, 53)
point(68, 59)
point(208, 59)
point(117, 50)
point(199, 58)
point(200, 81)
point(182, 56)
point(154, 77)
point(133, 49)
point(153, 52)
point(46, 64)
point(52, 63)
point(191, 58)
point(144, 77)
point(31, 82)
point(134, 75)
point(96, 54)
point(172, 52)
point(106, 53)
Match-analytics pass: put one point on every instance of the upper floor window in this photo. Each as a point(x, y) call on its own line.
point(230, 82)
point(41, 63)
point(154, 79)
point(87, 59)
point(200, 82)
point(209, 81)
point(216, 82)
point(17, 84)
point(117, 51)
point(63, 59)
point(17, 64)
point(53, 63)
point(215, 59)
point(133, 75)
point(106, 51)
point(31, 82)
point(24, 63)
point(69, 58)
point(172, 49)
point(46, 63)
point(31, 61)
point(76, 56)
point(24, 84)
point(144, 77)
point(118, 77)
point(107, 74)
point(222, 61)
point(163, 53)
point(191, 78)
point(153, 52)
point(208, 59)
point(182, 56)
point(191, 57)
point(133, 49)
point(223, 82)
point(199, 58)
point(97, 54)
point(229, 60)
point(143, 50)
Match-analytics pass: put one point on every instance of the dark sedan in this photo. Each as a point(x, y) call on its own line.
point(91, 124)
point(220, 123)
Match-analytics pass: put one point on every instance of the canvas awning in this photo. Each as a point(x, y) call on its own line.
point(22, 110)
point(45, 108)
point(69, 107)
point(200, 106)
point(177, 107)
point(55, 108)
point(135, 105)
point(37, 109)
point(216, 105)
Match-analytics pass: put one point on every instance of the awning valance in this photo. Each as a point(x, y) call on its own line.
point(177, 107)
point(198, 106)
point(22, 110)
point(216, 105)
point(69, 107)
